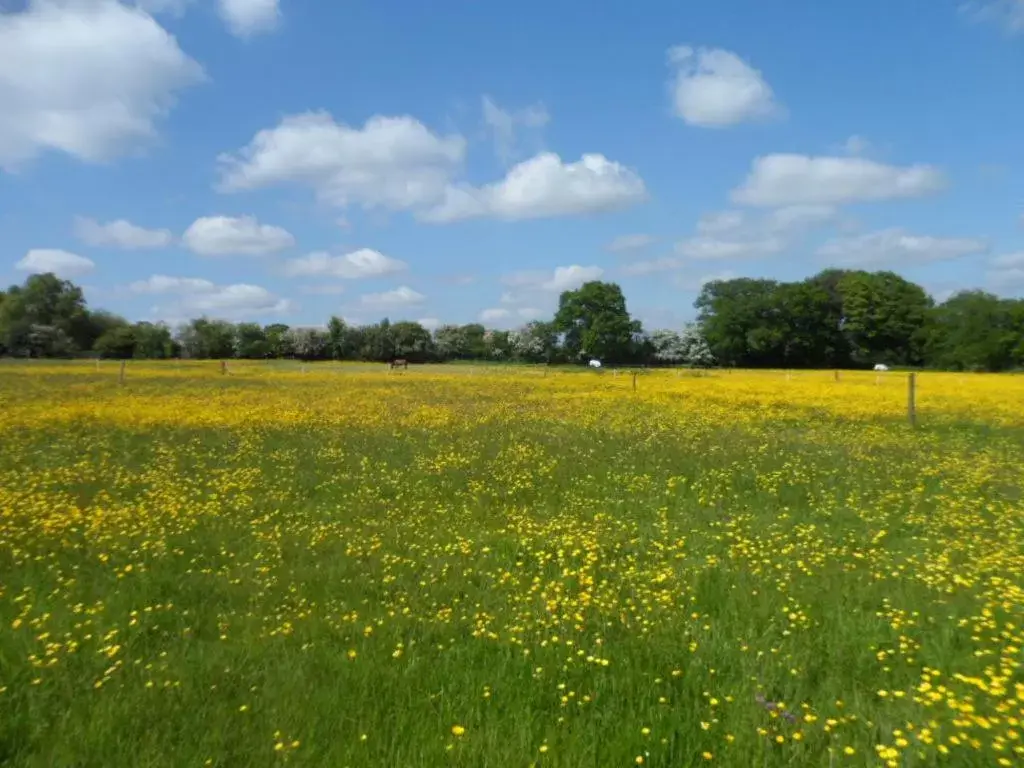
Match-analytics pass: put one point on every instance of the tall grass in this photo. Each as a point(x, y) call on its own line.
point(506, 570)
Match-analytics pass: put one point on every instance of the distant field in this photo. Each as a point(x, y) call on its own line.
point(330, 565)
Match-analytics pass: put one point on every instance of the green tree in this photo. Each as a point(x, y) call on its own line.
point(883, 318)
point(116, 343)
point(44, 317)
point(338, 339)
point(279, 342)
point(204, 338)
point(595, 323)
point(740, 321)
point(973, 331)
point(153, 341)
point(251, 341)
point(412, 341)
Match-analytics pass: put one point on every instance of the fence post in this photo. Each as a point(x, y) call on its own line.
point(912, 399)
point(837, 375)
point(121, 376)
point(223, 367)
point(634, 381)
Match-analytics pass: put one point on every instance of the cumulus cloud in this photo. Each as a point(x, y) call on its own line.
point(545, 186)
point(403, 296)
point(730, 234)
point(195, 295)
point(504, 124)
point(90, 79)
point(120, 234)
point(430, 323)
point(364, 262)
point(244, 235)
point(495, 314)
point(783, 180)
point(714, 88)
point(391, 162)
point(63, 264)
point(897, 248)
point(628, 243)
point(244, 18)
point(397, 163)
point(570, 278)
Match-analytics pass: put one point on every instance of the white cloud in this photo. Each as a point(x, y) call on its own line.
point(397, 163)
point(856, 145)
point(652, 266)
point(710, 248)
point(714, 88)
point(165, 284)
point(626, 243)
point(430, 323)
point(542, 187)
point(235, 300)
point(197, 296)
point(561, 279)
point(63, 264)
point(897, 248)
point(781, 180)
point(221, 235)
point(695, 284)
point(244, 18)
point(1009, 260)
point(570, 278)
point(120, 234)
point(721, 223)
point(740, 235)
point(364, 262)
point(1008, 13)
point(86, 78)
point(402, 296)
point(328, 289)
point(391, 162)
point(504, 124)
point(495, 314)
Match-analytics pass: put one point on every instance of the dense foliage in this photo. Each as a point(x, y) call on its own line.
point(835, 319)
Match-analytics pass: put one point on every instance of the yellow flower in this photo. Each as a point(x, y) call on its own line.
point(458, 730)
point(707, 755)
point(543, 748)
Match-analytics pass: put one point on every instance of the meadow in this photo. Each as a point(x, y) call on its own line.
point(459, 566)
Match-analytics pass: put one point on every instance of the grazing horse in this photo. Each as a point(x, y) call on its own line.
point(398, 362)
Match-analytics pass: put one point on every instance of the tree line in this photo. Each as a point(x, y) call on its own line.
point(836, 319)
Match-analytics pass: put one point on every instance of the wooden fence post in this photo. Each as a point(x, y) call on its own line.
point(912, 399)
point(121, 376)
point(634, 381)
point(837, 375)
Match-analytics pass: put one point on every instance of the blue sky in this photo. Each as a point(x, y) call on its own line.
point(459, 160)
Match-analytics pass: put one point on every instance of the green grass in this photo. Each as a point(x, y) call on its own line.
point(814, 563)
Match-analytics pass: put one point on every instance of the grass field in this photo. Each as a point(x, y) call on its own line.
point(497, 567)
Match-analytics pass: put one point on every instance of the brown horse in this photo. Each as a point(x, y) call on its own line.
point(398, 362)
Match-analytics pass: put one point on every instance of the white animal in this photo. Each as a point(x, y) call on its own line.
point(595, 363)
point(881, 367)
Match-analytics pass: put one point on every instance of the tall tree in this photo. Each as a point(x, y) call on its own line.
point(251, 341)
point(883, 318)
point(412, 341)
point(740, 321)
point(43, 317)
point(204, 338)
point(338, 339)
point(596, 323)
point(973, 331)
